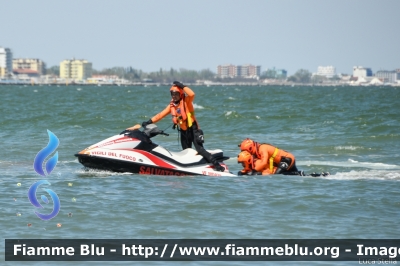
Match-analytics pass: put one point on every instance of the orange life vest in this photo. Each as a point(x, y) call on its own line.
point(180, 115)
point(271, 159)
point(178, 112)
point(182, 112)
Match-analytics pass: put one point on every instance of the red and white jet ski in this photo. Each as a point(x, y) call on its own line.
point(133, 151)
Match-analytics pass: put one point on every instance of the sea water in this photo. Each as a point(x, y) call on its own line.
point(351, 132)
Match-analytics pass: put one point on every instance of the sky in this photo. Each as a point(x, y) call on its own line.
point(201, 34)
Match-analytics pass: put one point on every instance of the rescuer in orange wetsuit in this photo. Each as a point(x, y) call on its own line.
point(182, 111)
point(265, 159)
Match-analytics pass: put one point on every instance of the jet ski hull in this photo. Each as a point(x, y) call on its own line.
point(114, 165)
point(132, 151)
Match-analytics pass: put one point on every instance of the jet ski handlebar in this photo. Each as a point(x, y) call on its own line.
point(150, 130)
point(126, 132)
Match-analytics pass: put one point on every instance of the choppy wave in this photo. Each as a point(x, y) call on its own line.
point(86, 172)
point(352, 148)
point(197, 106)
point(325, 128)
point(350, 163)
point(366, 174)
point(231, 114)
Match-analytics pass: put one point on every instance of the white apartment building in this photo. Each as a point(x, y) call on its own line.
point(243, 71)
point(362, 72)
point(5, 62)
point(249, 71)
point(388, 76)
point(326, 71)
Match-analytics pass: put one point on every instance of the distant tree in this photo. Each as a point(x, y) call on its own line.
point(273, 74)
point(304, 76)
point(301, 76)
point(318, 79)
point(206, 74)
point(54, 70)
point(263, 75)
point(189, 75)
point(118, 71)
point(132, 74)
point(270, 74)
point(335, 78)
point(292, 79)
point(161, 76)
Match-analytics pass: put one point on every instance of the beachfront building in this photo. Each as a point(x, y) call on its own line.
point(362, 72)
point(239, 71)
point(106, 79)
point(281, 74)
point(273, 73)
point(226, 71)
point(29, 66)
point(5, 62)
point(398, 75)
point(75, 69)
point(249, 71)
point(388, 76)
point(326, 71)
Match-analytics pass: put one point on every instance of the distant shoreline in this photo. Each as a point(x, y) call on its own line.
point(145, 84)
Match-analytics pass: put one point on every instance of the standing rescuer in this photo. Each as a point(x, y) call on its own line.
point(182, 111)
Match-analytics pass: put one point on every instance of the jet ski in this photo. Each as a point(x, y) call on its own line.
point(133, 151)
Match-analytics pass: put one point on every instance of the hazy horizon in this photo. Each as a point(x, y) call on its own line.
point(196, 35)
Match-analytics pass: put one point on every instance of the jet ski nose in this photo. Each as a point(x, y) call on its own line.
point(83, 152)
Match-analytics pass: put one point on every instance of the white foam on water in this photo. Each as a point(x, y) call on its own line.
point(71, 161)
point(366, 174)
point(231, 114)
point(228, 113)
point(86, 172)
point(375, 165)
point(352, 148)
point(197, 106)
point(352, 163)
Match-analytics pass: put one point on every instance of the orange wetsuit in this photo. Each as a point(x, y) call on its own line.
point(267, 159)
point(182, 112)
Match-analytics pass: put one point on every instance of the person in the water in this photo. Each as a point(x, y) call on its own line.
point(266, 159)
